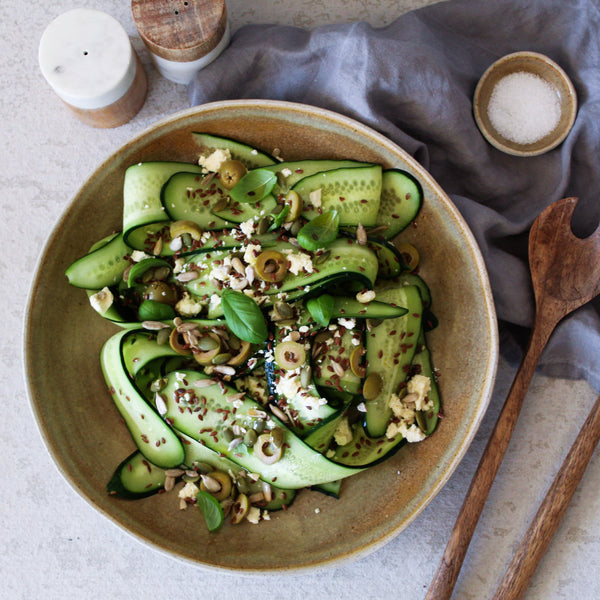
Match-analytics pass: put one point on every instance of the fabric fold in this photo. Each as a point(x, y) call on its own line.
point(413, 81)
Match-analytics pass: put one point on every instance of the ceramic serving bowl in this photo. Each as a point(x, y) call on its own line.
point(532, 63)
point(84, 432)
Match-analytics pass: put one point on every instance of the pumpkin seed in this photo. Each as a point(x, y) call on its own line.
point(372, 386)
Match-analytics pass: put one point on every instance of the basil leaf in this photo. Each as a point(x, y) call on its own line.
point(253, 186)
point(279, 218)
point(211, 510)
point(320, 231)
point(321, 309)
point(244, 317)
point(152, 310)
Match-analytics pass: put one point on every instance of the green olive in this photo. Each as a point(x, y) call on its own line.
point(240, 509)
point(217, 484)
point(271, 266)
point(205, 357)
point(230, 172)
point(290, 355)
point(294, 201)
point(410, 255)
point(160, 291)
point(356, 361)
point(179, 228)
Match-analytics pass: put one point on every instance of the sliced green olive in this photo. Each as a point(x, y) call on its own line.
point(294, 201)
point(217, 484)
point(178, 343)
point(271, 266)
point(240, 509)
point(410, 255)
point(242, 355)
point(230, 172)
point(179, 228)
point(266, 450)
point(372, 386)
point(290, 355)
point(205, 357)
point(356, 361)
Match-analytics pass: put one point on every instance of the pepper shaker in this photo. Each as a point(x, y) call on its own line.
point(183, 36)
point(86, 57)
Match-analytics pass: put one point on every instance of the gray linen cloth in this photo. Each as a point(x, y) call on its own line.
point(414, 81)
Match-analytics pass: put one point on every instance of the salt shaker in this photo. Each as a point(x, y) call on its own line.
point(86, 57)
point(183, 36)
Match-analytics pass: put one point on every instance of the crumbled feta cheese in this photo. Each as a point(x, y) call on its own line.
point(288, 385)
point(405, 412)
point(366, 296)
point(286, 172)
point(298, 262)
point(179, 265)
point(248, 227)
point(253, 515)
point(420, 385)
point(343, 433)
point(188, 306)
point(189, 491)
point(347, 323)
point(212, 163)
point(251, 252)
point(101, 301)
point(215, 300)
point(138, 255)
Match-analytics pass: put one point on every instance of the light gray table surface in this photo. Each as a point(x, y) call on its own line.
point(55, 545)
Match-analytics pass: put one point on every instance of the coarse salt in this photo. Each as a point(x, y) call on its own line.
point(523, 107)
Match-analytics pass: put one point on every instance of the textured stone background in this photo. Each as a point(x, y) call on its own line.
point(56, 545)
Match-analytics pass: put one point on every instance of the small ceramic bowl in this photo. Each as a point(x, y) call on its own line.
point(499, 133)
point(83, 429)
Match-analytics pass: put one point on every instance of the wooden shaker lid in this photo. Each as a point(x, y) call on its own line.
point(180, 30)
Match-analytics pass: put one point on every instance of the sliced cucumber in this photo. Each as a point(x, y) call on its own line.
point(293, 171)
point(348, 261)
point(237, 212)
point(428, 419)
point(251, 157)
point(391, 263)
point(390, 350)
point(401, 200)
point(154, 438)
point(142, 187)
point(102, 267)
point(332, 368)
point(136, 478)
point(365, 451)
point(355, 193)
point(205, 413)
point(185, 197)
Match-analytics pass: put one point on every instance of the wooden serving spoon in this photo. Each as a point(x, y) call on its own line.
point(565, 271)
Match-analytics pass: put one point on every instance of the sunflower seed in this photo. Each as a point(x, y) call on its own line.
point(154, 325)
point(187, 276)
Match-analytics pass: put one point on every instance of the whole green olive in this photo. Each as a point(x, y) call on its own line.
point(160, 291)
point(230, 172)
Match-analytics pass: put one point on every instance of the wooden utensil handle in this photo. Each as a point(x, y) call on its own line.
point(445, 578)
point(551, 511)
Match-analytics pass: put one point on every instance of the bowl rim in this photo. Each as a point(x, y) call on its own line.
point(485, 390)
point(514, 148)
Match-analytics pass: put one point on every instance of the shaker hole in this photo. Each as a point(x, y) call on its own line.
point(85, 52)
